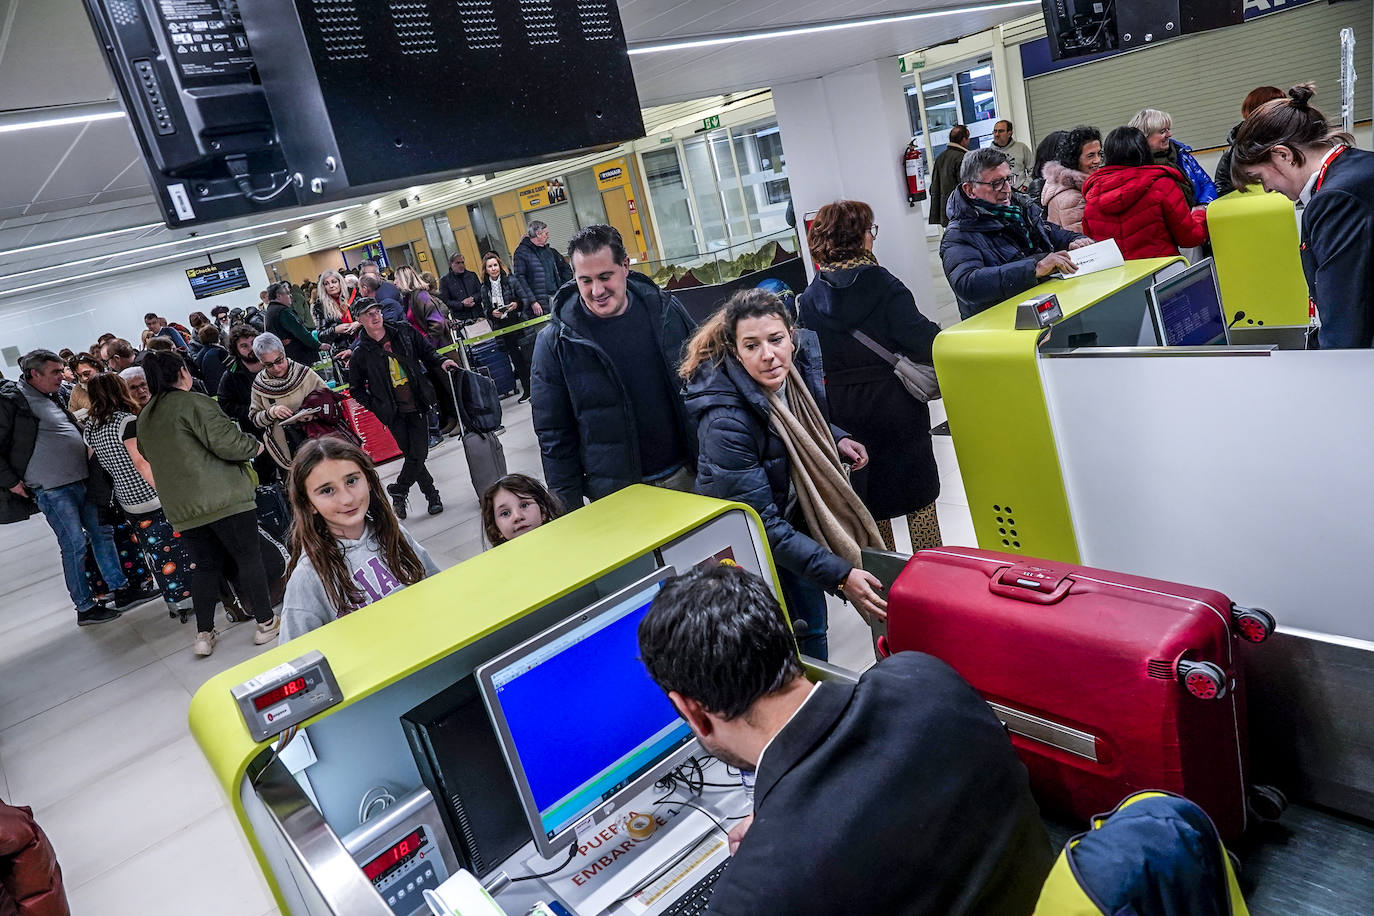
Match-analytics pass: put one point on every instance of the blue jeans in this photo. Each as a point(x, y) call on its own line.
point(806, 605)
point(75, 520)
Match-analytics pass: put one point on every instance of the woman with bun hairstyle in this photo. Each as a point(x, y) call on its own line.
point(1289, 147)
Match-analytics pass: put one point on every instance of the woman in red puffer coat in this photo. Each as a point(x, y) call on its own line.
point(30, 878)
point(1138, 203)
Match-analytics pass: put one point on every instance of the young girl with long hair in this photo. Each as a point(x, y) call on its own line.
point(347, 548)
point(515, 505)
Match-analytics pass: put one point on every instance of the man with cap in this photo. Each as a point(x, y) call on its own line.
point(387, 376)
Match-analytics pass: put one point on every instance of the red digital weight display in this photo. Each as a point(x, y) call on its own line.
point(277, 694)
point(394, 857)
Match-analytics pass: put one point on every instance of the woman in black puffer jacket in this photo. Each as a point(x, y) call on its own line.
point(851, 292)
point(740, 364)
point(506, 301)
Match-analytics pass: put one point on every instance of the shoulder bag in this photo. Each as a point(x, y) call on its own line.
point(918, 378)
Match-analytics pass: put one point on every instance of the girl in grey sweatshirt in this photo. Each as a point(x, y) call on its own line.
point(347, 548)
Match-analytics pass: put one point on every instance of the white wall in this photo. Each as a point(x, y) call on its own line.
point(76, 314)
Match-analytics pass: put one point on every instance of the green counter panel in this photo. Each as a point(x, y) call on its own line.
point(1255, 245)
point(995, 401)
point(379, 645)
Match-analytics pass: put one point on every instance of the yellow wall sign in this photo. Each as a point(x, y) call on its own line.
point(543, 194)
point(611, 174)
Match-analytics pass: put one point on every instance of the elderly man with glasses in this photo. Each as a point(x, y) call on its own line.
point(998, 243)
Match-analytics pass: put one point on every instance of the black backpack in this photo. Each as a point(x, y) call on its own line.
point(479, 406)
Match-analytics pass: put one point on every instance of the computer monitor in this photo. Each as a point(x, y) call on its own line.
point(1186, 308)
point(581, 724)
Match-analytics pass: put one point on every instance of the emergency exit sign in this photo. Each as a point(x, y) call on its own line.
point(710, 123)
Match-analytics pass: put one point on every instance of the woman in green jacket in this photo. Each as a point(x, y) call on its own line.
point(200, 459)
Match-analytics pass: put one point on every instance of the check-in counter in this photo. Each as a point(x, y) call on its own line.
point(1243, 468)
point(301, 809)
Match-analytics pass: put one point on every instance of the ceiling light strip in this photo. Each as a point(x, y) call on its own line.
point(123, 268)
point(80, 238)
point(707, 41)
point(159, 245)
point(59, 115)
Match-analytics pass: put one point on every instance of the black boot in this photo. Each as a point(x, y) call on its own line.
point(436, 505)
point(398, 499)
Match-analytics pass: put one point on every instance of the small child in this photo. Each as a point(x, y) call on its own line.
point(347, 548)
point(514, 505)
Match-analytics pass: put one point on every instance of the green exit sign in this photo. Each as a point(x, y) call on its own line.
point(710, 123)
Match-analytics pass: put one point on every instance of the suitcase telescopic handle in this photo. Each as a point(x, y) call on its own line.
point(1030, 583)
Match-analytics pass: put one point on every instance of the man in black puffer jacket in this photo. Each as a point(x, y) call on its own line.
point(607, 400)
point(539, 265)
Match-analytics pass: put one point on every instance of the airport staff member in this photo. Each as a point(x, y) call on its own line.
point(899, 794)
point(1288, 146)
point(998, 243)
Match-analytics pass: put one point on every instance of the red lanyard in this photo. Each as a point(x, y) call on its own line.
point(1321, 176)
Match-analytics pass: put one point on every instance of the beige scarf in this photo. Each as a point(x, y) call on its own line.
point(834, 515)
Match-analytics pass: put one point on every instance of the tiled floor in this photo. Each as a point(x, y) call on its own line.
point(93, 730)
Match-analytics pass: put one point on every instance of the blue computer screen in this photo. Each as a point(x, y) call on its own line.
point(1190, 311)
point(584, 716)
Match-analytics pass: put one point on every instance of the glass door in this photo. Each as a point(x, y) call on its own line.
point(668, 190)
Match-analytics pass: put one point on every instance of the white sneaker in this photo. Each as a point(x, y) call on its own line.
point(204, 644)
point(266, 632)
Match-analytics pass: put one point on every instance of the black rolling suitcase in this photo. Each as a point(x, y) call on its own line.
point(485, 454)
point(274, 512)
point(491, 355)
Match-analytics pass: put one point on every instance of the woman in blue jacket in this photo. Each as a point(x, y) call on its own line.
point(755, 391)
point(1158, 129)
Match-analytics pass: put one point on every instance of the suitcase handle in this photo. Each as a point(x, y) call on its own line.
point(1035, 585)
point(883, 649)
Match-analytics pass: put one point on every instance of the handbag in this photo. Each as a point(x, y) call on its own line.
point(919, 379)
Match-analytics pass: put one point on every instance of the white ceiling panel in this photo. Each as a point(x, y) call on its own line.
point(49, 55)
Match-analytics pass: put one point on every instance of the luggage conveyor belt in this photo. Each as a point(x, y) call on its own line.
point(1309, 863)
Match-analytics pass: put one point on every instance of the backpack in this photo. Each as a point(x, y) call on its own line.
point(478, 403)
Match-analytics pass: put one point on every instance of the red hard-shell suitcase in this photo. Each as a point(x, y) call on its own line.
point(378, 442)
point(1108, 683)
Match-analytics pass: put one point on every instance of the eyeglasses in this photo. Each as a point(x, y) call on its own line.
point(873, 230)
point(1000, 184)
point(274, 363)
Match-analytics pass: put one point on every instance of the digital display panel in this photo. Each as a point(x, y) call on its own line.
point(212, 279)
point(277, 694)
point(394, 857)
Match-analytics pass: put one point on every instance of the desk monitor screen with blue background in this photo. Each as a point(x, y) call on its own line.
point(1187, 308)
point(580, 720)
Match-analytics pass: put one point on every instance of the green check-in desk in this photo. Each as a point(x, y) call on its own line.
point(406, 648)
point(1243, 468)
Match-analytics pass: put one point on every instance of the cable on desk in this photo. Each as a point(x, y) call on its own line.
point(572, 851)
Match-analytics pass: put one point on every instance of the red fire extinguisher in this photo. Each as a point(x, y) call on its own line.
point(915, 175)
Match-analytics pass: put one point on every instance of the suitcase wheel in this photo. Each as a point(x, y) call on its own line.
point(1204, 680)
point(1267, 802)
point(1253, 624)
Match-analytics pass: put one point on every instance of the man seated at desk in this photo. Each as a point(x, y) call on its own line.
point(900, 794)
point(998, 243)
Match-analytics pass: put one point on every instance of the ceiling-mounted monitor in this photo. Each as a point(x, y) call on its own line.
point(245, 106)
point(1078, 28)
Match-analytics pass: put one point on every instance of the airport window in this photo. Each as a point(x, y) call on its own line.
point(668, 189)
point(738, 182)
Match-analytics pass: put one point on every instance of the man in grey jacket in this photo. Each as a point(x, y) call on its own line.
point(42, 453)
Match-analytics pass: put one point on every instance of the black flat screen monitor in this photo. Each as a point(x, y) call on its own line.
point(1187, 308)
point(582, 724)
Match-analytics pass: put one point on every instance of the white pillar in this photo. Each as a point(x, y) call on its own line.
point(844, 134)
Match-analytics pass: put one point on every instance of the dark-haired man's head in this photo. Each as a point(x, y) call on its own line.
point(369, 283)
point(154, 322)
point(119, 354)
point(715, 640)
point(601, 267)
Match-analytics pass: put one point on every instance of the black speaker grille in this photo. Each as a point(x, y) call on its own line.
point(414, 26)
point(479, 24)
point(596, 20)
point(342, 29)
point(540, 24)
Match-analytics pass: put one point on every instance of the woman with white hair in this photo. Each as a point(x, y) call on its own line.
point(333, 320)
point(1158, 129)
point(279, 390)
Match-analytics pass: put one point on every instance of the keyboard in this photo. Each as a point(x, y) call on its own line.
point(698, 898)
